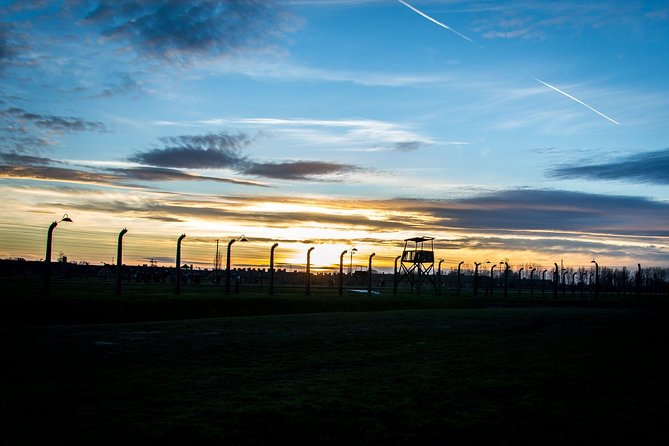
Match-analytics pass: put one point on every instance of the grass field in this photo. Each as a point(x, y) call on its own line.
point(426, 376)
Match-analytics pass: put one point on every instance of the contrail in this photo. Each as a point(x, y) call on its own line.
point(437, 22)
point(577, 100)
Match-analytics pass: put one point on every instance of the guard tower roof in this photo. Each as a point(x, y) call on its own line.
point(419, 239)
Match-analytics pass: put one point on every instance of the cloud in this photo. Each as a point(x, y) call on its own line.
point(225, 151)
point(25, 131)
point(25, 160)
point(13, 46)
point(648, 167)
point(540, 20)
point(21, 143)
point(151, 174)
point(210, 151)
point(549, 210)
point(51, 173)
point(528, 225)
point(298, 170)
point(60, 124)
point(14, 165)
point(7, 49)
point(182, 32)
point(409, 146)
point(342, 134)
point(125, 84)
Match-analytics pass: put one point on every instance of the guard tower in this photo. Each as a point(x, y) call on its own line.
point(418, 262)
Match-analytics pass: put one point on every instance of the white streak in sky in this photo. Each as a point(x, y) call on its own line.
point(577, 100)
point(437, 22)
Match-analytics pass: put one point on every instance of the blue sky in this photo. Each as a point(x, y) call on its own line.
point(338, 123)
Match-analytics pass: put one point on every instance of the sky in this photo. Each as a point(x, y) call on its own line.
point(532, 132)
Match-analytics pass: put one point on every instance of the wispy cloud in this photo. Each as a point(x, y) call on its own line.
point(61, 124)
point(124, 83)
point(647, 167)
point(542, 20)
point(276, 68)
point(14, 47)
point(25, 131)
point(18, 166)
point(343, 134)
point(181, 32)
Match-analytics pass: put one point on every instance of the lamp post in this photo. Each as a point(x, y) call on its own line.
point(492, 280)
point(369, 269)
point(119, 260)
point(271, 269)
point(543, 283)
point(638, 281)
point(177, 286)
point(47, 257)
point(341, 272)
point(227, 262)
point(532, 282)
point(395, 279)
point(439, 276)
point(596, 278)
point(459, 279)
point(506, 278)
point(520, 281)
point(476, 276)
point(350, 265)
point(556, 279)
point(564, 283)
point(307, 288)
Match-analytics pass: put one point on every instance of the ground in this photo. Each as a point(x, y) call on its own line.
point(457, 376)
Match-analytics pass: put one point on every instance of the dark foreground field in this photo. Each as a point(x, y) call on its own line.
point(463, 376)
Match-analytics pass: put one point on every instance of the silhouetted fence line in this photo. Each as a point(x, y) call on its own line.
point(572, 283)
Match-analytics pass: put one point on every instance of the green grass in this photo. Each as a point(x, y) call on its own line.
point(458, 376)
point(94, 301)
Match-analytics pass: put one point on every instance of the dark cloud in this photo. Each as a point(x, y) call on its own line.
point(51, 173)
point(17, 159)
point(211, 151)
point(64, 124)
point(408, 146)
point(161, 174)
point(14, 48)
point(8, 50)
point(298, 170)
point(546, 210)
point(648, 167)
point(13, 165)
point(223, 150)
point(124, 84)
point(11, 46)
point(22, 143)
point(181, 31)
point(24, 131)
